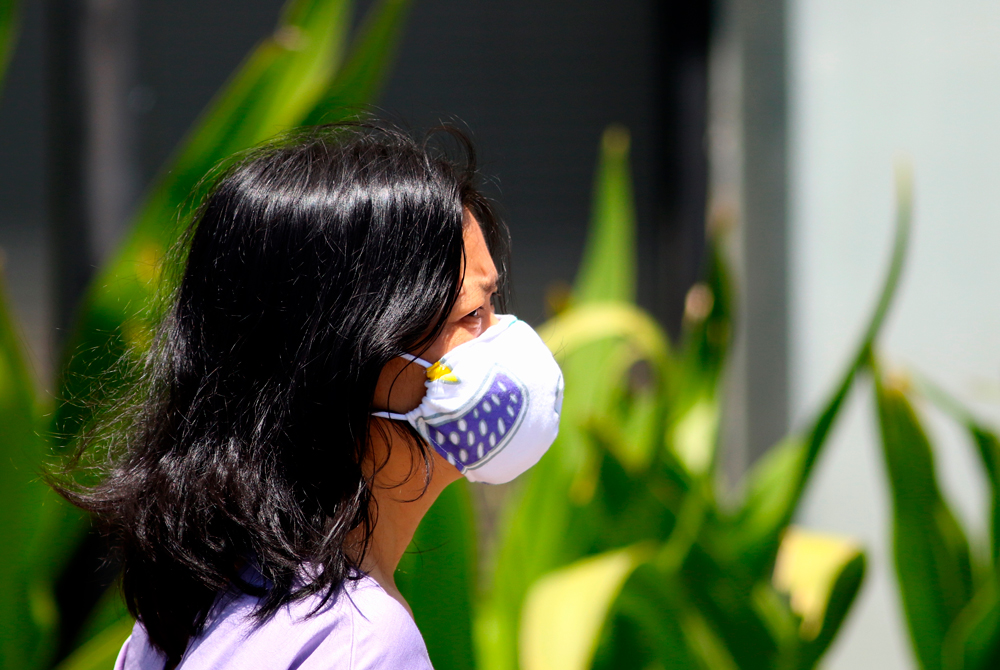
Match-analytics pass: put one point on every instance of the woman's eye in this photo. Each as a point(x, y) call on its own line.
point(474, 313)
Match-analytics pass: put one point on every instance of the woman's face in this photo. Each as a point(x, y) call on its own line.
point(471, 316)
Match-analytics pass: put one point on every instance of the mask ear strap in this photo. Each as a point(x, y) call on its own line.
point(394, 415)
point(415, 359)
point(390, 415)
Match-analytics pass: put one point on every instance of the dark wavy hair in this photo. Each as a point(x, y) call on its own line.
point(312, 262)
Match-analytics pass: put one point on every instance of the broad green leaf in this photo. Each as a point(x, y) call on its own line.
point(989, 451)
point(8, 33)
point(364, 73)
point(100, 652)
point(763, 518)
point(580, 326)
point(930, 550)
point(653, 624)
point(646, 630)
point(770, 494)
point(987, 444)
point(608, 270)
point(808, 568)
point(973, 641)
point(617, 338)
point(565, 610)
point(724, 596)
point(437, 576)
point(656, 624)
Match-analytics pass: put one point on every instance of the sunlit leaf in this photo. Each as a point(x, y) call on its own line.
point(608, 270)
point(842, 596)
point(807, 569)
point(930, 549)
point(589, 323)
point(565, 610)
point(695, 435)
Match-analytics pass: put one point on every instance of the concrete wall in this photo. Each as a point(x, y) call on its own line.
point(870, 81)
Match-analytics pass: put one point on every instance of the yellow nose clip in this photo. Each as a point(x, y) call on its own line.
point(441, 372)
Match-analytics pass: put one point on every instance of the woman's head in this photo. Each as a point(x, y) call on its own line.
point(313, 263)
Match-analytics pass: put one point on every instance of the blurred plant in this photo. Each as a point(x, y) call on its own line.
point(618, 550)
point(949, 593)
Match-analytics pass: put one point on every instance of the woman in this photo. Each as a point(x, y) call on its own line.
point(292, 430)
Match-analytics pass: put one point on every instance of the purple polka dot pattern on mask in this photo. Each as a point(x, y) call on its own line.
point(484, 428)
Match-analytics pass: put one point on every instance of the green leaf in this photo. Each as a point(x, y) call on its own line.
point(821, 574)
point(565, 610)
point(580, 326)
point(930, 549)
point(724, 596)
point(100, 652)
point(365, 71)
point(617, 364)
point(973, 641)
point(27, 617)
point(987, 444)
point(648, 630)
point(608, 270)
point(437, 576)
point(109, 610)
point(842, 596)
point(695, 435)
point(655, 623)
point(764, 517)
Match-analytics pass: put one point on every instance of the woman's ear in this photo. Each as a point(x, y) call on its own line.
point(400, 387)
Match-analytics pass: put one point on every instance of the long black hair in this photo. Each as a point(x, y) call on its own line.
point(313, 261)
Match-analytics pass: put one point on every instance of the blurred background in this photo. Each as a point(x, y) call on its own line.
point(783, 120)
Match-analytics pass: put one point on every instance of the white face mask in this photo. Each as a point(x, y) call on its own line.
point(492, 404)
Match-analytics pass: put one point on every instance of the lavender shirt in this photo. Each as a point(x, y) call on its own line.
point(363, 628)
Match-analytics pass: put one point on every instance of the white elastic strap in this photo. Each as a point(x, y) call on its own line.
point(390, 415)
point(415, 359)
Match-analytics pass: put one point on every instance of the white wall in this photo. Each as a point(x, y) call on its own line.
point(870, 80)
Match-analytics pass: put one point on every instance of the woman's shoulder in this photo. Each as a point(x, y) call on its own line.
point(364, 627)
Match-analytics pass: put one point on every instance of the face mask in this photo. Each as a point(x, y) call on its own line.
point(492, 404)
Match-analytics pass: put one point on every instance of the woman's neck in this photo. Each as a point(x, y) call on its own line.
point(401, 495)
